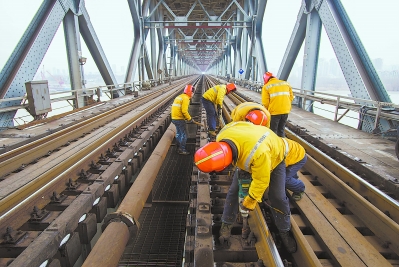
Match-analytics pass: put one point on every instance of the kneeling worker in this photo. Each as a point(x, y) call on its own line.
point(260, 152)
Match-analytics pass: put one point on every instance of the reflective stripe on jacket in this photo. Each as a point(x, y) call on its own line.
point(216, 94)
point(180, 108)
point(296, 152)
point(240, 111)
point(277, 96)
point(259, 151)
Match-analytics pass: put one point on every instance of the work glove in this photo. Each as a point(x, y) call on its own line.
point(190, 121)
point(248, 204)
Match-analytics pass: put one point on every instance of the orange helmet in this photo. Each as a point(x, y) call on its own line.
point(257, 117)
point(230, 87)
point(267, 76)
point(214, 156)
point(188, 90)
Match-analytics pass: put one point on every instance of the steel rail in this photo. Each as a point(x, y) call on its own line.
point(383, 203)
point(37, 188)
point(47, 244)
point(379, 199)
point(130, 208)
point(25, 154)
point(265, 247)
point(373, 210)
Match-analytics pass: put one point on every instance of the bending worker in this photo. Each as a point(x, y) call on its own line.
point(260, 152)
point(179, 117)
point(214, 96)
point(295, 159)
point(277, 97)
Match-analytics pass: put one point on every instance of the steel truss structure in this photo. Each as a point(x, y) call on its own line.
point(175, 38)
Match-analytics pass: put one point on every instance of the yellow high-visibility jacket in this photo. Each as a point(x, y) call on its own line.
point(216, 94)
point(180, 108)
point(259, 151)
point(277, 96)
point(240, 111)
point(295, 153)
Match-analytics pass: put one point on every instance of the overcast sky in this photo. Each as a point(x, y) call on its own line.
point(376, 23)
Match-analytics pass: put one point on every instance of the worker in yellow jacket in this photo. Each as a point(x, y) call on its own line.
point(277, 97)
point(180, 115)
point(294, 161)
point(214, 96)
point(241, 111)
point(260, 152)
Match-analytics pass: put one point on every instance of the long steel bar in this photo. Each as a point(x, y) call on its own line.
point(131, 207)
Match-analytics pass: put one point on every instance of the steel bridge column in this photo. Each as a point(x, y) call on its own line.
point(311, 55)
point(93, 44)
point(294, 44)
point(25, 60)
point(228, 59)
point(260, 52)
point(237, 46)
point(359, 72)
point(244, 41)
point(161, 53)
point(153, 42)
point(135, 8)
point(74, 53)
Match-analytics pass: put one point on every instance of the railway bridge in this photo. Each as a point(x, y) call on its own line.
point(89, 176)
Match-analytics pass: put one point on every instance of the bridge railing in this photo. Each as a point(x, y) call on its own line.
point(91, 94)
point(376, 109)
point(307, 98)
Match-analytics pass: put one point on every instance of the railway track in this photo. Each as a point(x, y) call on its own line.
point(341, 221)
point(80, 179)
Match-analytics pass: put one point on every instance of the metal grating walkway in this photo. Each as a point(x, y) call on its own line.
point(160, 241)
point(161, 238)
point(174, 178)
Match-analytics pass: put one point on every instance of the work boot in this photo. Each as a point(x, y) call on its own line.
point(297, 196)
point(288, 241)
point(225, 232)
point(183, 152)
point(212, 133)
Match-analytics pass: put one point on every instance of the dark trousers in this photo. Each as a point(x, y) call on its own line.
point(277, 124)
point(277, 196)
point(210, 113)
point(291, 176)
point(279, 202)
point(181, 133)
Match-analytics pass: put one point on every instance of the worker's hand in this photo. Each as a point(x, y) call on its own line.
point(248, 203)
point(190, 121)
